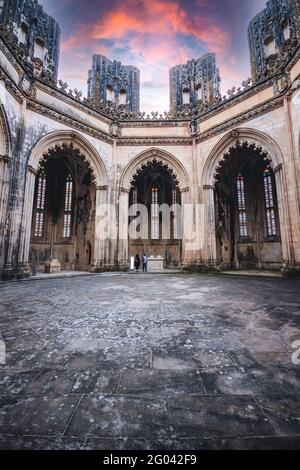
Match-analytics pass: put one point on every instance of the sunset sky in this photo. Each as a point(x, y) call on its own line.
point(154, 35)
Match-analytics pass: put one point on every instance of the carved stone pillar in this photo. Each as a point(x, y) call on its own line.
point(4, 185)
point(123, 229)
point(4, 160)
point(210, 243)
point(24, 269)
point(186, 216)
point(284, 218)
point(102, 229)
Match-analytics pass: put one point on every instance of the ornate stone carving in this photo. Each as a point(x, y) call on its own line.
point(32, 33)
point(199, 79)
point(273, 37)
point(66, 150)
point(45, 111)
point(265, 108)
point(32, 170)
point(118, 79)
point(125, 190)
point(156, 165)
point(246, 144)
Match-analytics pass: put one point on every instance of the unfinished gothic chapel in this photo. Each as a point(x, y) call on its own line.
point(75, 170)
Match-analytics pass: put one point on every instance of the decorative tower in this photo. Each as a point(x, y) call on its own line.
point(273, 37)
point(33, 34)
point(114, 84)
point(197, 81)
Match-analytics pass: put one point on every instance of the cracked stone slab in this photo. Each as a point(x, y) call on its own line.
point(284, 412)
point(116, 358)
point(34, 359)
point(217, 416)
point(14, 382)
point(160, 382)
point(36, 416)
point(119, 416)
point(251, 381)
point(70, 382)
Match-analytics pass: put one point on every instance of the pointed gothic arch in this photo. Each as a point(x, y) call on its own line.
point(71, 147)
point(162, 156)
point(5, 156)
point(257, 139)
point(79, 143)
point(170, 175)
point(245, 141)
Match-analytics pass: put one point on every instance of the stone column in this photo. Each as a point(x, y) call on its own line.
point(186, 216)
point(123, 228)
point(4, 185)
point(284, 217)
point(210, 243)
point(4, 161)
point(23, 257)
point(102, 229)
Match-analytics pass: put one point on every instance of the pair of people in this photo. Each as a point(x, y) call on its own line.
point(137, 262)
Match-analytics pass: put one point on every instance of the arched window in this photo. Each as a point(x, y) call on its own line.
point(68, 207)
point(23, 33)
point(39, 49)
point(269, 46)
point(269, 204)
point(110, 96)
point(186, 96)
point(242, 206)
point(154, 214)
point(199, 93)
point(122, 98)
point(285, 29)
point(40, 206)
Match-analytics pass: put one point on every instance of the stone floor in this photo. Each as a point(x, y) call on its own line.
point(172, 361)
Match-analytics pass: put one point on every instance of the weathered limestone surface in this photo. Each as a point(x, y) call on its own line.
point(143, 361)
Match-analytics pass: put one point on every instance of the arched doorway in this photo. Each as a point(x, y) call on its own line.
point(63, 220)
point(246, 210)
point(155, 186)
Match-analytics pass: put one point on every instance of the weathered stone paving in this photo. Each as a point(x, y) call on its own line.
point(135, 361)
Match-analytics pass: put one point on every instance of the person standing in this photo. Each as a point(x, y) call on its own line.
point(137, 262)
point(144, 261)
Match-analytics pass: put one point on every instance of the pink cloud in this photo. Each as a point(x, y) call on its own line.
point(152, 34)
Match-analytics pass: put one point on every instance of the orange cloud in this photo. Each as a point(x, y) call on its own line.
point(150, 17)
point(153, 35)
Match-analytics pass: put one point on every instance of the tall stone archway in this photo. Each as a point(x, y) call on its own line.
point(5, 158)
point(62, 165)
point(155, 186)
point(241, 163)
point(153, 171)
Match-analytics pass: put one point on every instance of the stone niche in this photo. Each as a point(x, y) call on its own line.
point(155, 263)
point(52, 266)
